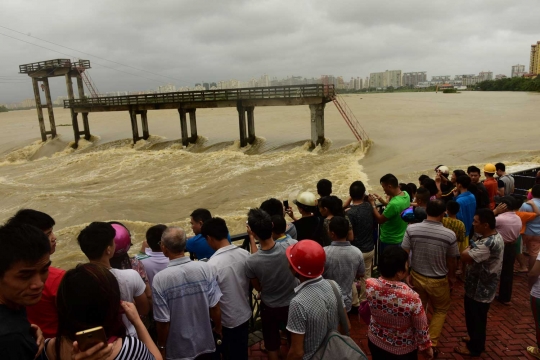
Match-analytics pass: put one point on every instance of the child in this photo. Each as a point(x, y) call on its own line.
point(457, 226)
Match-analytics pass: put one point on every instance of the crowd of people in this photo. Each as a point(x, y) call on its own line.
point(166, 304)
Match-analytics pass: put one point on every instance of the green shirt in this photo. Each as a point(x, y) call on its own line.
point(393, 229)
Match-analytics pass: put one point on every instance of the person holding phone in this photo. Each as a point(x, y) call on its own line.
point(89, 298)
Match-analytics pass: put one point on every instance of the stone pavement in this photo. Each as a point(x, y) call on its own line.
point(510, 328)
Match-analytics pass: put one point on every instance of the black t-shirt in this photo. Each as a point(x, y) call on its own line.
point(16, 341)
point(361, 218)
point(308, 228)
point(446, 190)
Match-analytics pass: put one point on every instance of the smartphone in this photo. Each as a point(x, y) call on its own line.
point(286, 204)
point(91, 337)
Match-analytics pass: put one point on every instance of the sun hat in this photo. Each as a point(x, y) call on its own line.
point(306, 198)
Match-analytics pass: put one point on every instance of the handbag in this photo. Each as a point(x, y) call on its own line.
point(335, 345)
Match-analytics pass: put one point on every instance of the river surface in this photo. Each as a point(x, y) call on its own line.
point(159, 181)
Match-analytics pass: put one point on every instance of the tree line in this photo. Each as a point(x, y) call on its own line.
point(3, 109)
point(510, 84)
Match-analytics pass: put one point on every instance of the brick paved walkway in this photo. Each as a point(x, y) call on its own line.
point(510, 328)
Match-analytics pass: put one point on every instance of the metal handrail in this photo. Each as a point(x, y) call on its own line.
point(40, 65)
point(271, 92)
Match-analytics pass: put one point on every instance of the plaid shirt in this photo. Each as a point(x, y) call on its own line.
point(313, 312)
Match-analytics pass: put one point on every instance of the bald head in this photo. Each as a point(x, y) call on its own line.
point(174, 239)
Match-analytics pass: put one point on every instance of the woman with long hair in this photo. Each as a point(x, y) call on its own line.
point(88, 297)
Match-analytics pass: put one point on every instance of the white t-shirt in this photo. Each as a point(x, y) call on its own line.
point(131, 286)
point(535, 291)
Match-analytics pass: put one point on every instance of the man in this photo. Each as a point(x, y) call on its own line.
point(44, 313)
point(417, 214)
point(444, 184)
point(451, 222)
point(97, 243)
point(360, 214)
point(344, 262)
point(24, 267)
point(392, 226)
point(434, 253)
point(229, 264)
point(490, 184)
point(314, 309)
point(308, 226)
point(324, 188)
point(186, 297)
point(153, 259)
point(484, 263)
point(279, 233)
point(531, 237)
point(275, 207)
point(482, 198)
point(268, 270)
point(505, 182)
point(197, 245)
point(509, 227)
point(466, 201)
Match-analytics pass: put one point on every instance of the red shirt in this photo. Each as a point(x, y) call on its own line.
point(44, 313)
point(492, 189)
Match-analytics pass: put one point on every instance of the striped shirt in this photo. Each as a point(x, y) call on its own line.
point(183, 293)
point(132, 348)
point(313, 312)
point(457, 226)
point(344, 263)
point(430, 243)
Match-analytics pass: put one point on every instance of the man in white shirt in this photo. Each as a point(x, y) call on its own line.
point(151, 255)
point(97, 243)
point(186, 297)
point(229, 262)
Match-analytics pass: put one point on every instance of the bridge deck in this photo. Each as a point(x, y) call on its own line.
point(53, 64)
point(261, 96)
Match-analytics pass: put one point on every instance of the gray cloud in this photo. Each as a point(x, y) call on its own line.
point(192, 41)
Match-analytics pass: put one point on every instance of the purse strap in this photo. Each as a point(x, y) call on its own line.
point(342, 316)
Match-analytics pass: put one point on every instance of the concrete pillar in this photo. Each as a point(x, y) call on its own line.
point(183, 126)
point(317, 124)
point(86, 124)
point(74, 120)
point(39, 110)
point(242, 123)
point(250, 124)
point(49, 107)
point(144, 123)
point(134, 126)
point(193, 125)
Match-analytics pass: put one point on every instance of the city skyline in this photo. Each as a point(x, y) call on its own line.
point(183, 42)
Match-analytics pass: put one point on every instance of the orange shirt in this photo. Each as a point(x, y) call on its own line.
point(525, 218)
point(492, 188)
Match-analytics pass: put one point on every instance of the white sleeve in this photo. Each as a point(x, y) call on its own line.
point(137, 283)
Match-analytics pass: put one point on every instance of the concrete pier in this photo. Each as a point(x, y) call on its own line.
point(86, 125)
point(250, 124)
point(193, 125)
point(317, 124)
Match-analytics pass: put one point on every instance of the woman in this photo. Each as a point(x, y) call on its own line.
point(330, 206)
point(308, 226)
point(431, 186)
point(88, 297)
point(398, 327)
point(121, 259)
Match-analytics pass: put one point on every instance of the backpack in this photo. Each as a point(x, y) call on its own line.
point(335, 345)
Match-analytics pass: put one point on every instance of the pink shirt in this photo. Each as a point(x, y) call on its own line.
point(509, 226)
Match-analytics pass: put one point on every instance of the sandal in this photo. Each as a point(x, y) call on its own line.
point(463, 350)
point(533, 351)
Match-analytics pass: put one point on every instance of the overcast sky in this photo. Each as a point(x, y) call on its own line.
point(195, 41)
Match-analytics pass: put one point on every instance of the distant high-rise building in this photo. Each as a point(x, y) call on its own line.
point(518, 70)
point(500, 76)
point(440, 79)
point(366, 83)
point(485, 75)
point(385, 79)
point(413, 78)
point(534, 65)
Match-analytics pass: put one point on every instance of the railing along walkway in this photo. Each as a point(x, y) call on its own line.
point(259, 93)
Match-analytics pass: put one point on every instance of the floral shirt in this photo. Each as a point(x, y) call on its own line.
point(398, 321)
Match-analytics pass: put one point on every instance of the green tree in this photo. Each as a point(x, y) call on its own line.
point(3, 109)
